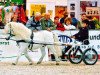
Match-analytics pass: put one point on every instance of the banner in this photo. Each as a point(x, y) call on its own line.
point(94, 38)
point(37, 8)
point(9, 49)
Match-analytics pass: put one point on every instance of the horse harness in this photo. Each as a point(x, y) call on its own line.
point(18, 41)
point(31, 43)
point(10, 33)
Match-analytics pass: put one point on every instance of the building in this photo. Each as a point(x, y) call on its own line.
point(55, 7)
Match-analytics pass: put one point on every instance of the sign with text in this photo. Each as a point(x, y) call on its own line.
point(93, 11)
point(9, 49)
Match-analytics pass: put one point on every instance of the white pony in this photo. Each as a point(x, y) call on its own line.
point(21, 32)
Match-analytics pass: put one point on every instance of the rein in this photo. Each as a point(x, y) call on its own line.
point(32, 42)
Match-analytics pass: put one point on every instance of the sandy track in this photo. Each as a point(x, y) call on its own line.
point(49, 68)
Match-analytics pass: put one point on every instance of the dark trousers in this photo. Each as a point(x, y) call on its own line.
point(63, 52)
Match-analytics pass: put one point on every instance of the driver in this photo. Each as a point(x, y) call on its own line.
point(83, 33)
point(81, 36)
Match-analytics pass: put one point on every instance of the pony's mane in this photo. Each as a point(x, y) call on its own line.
point(20, 30)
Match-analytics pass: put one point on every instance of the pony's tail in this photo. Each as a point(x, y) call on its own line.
point(58, 48)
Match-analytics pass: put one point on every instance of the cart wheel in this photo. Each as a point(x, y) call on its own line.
point(90, 56)
point(75, 56)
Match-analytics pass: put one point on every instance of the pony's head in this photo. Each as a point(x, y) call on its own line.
point(7, 28)
point(18, 29)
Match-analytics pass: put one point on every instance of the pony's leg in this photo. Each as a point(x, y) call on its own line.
point(18, 56)
point(55, 54)
point(28, 57)
point(43, 54)
point(22, 49)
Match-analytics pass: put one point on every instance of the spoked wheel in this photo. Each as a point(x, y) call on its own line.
point(75, 56)
point(90, 56)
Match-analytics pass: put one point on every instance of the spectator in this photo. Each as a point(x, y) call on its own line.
point(65, 16)
point(96, 21)
point(68, 24)
point(74, 20)
point(47, 23)
point(1, 23)
point(59, 26)
point(14, 18)
point(83, 16)
point(34, 22)
point(22, 14)
point(91, 24)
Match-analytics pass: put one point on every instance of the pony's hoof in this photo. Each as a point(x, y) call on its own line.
point(31, 64)
point(57, 63)
point(38, 62)
point(13, 64)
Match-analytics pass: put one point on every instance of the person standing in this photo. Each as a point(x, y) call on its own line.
point(47, 23)
point(91, 22)
point(68, 24)
point(64, 17)
point(74, 20)
point(59, 26)
point(34, 22)
point(14, 18)
point(1, 23)
point(83, 16)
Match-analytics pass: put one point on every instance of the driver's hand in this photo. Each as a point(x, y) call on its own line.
point(73, 37)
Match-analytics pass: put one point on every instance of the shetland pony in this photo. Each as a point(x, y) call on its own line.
point(21, 32)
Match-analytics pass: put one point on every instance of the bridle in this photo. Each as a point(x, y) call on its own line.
point(18, 41)
point(10, 33)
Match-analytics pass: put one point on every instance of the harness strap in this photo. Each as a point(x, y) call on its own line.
point(30, 44)
point(20, 41)
point(10, 34)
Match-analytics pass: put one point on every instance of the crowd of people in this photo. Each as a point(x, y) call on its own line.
point(44, 22)
point(36, 22)
point(12, 12)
